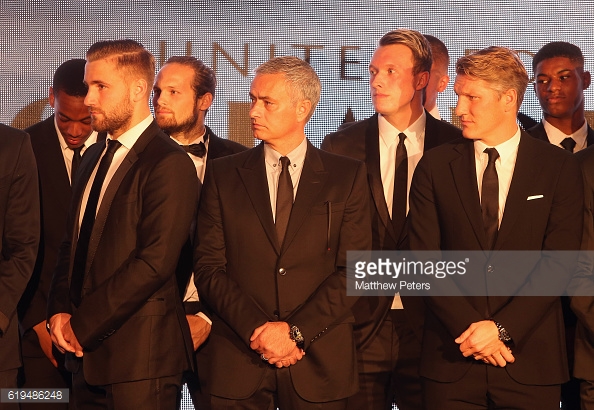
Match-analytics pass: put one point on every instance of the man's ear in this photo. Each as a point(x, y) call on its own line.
point(52, 97)
point(303, 109)
point(204, 102)
point(443, 83)
point(421, 80)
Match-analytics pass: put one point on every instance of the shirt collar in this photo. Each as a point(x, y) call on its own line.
point(506, 149)
point(555, 135)
point(129, 138)
point(389, 133)
point(297, 156)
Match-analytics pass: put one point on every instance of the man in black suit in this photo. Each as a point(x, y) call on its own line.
point(273, 229)
point(114, 303)
point(389, 345)
point(19, 225)
point(58, 143)
point(183, 92)
point(560, 81)
point(499, 189)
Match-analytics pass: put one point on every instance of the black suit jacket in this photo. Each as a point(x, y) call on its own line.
point(19, 226)
point(445, 214)
point(130, 321)
point(55, 193)
point(217, 148)
point(538, 131)
point(247, 279)
point(361, 141)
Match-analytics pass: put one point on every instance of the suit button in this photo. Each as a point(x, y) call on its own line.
point(276, 314)
point(490, 269)
point(282, 271)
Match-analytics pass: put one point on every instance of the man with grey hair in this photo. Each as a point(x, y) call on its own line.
point(281, 317)
point(391, 143)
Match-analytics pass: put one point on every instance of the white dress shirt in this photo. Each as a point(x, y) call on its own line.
point(414, 143)
point(505, 164)
point(555, 135)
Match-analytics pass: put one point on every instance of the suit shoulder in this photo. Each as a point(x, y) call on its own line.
point(338, 160)
point(12, 137)
point(356, 130)
point(232, 146)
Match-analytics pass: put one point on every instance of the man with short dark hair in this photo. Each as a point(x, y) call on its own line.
point(274, 225)
point(389, 340)
point(58, 143)
point(438, 78)
point(114, 303)
point(183, 92)
point(560, 81)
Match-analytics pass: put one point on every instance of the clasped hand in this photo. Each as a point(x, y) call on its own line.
point(272, 341)
point(63, 336)
point(481, 340)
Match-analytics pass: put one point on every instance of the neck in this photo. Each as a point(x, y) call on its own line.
point(406, 116)
point(186, 137)
point(568, 125)
point(138, 115)
point(287, 144)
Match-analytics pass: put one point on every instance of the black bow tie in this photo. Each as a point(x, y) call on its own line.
point(198, 150)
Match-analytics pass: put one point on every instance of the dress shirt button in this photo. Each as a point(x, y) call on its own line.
point(490, 269)
point(282, 271)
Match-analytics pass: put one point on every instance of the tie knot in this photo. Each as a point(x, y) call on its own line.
point(568, 143)
point(112, 146)
point(285, 162)
point(492, 153)
point(401, 138)
point(198, 150)
point(77, 150)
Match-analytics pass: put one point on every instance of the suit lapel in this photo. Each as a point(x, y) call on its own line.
point(313, 179)
point(114, 184)
point(53, 159)
point(464, 173)
point(525, 172)
point(372, 160)
point(216, 149)
point(253, 175)
point(590, 137)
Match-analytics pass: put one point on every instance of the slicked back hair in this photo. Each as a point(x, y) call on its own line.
point(418, 44)
point(499, 66)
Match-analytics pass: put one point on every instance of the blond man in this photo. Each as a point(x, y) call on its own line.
point(505, 191)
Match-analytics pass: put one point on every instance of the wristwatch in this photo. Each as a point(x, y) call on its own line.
point(504, 335)
point(296, 336)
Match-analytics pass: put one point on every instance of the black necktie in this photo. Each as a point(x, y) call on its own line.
point(86, 227)
point(198, 150)
point(490, 198)
point(284, 199)
point(400, 183)
point(569, 144)
point(75, 162)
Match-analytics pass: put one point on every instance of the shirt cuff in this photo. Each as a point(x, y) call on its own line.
point(203, 316)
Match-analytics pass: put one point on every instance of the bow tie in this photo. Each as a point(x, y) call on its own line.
point(198, 150)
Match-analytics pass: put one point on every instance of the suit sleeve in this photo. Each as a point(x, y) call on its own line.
point(329, 303)
point(456, 313)
point(20, 236)
point(215, 287)
point(169, 198)
point(563, 233)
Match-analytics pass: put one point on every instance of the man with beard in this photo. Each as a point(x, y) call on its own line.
point(183, 92)
point(58, 143)
point(114, 304)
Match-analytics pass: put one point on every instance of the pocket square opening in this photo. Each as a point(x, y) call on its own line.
point(534, 197)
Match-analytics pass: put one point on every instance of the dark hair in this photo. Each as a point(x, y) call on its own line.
point(439, 51)
point(421, 50)
point(205, 80)
point(558, 49)
point(130, 56)
point(69, 77)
